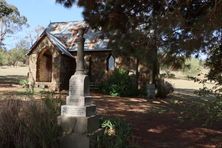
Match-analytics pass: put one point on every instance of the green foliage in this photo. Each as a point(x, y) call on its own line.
point(192, 67)
point(15, 55)
point(24, 83)
point(11, 20)
point(216, 90)
point(28, 90)
point(207, 113)
point(138, 28)
point(117, 134)
point(214, 62)
point(3, 57)
point(119, 83)
point(28, 124)
point(5, 9)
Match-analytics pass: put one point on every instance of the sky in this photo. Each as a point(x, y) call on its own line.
point(41, 12)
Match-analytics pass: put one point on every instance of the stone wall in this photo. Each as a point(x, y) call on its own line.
point(63, 67)
point(36, 74)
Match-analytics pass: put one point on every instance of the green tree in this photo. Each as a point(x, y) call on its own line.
point(214, 61)
point(4, 9)
point(18, 54)
point(166, 31)
point(10, 20)
point(3, 56)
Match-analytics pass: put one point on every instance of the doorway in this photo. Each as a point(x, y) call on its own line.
point(44, 67)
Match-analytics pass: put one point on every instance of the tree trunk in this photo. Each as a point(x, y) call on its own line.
point(137, 73)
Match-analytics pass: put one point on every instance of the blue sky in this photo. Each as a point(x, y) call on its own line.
point(41, 12)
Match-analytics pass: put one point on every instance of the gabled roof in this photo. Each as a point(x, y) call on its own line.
point(61, 35)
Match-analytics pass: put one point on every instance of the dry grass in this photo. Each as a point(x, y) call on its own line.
point(187, 84)
point(12, 70)
point(10, 76)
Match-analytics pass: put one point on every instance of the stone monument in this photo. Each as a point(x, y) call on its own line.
point(78, 117)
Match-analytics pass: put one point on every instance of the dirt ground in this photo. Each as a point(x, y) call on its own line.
point(155, 122)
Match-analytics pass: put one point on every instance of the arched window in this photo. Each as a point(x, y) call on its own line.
point(110, 64)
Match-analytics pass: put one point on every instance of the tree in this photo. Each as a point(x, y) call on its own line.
point(214, 61)
point(172, 29)
point(18, 54)
point(10, 20)
point(3, 56)
point(33, 35)
point(4, 9)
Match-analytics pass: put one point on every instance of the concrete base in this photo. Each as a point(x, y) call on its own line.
point(80, 140)
point(79, 132)
point(79, 125)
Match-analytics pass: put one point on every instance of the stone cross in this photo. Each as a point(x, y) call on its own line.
point(78, 117)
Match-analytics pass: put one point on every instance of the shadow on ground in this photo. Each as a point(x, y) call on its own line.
point(10, 80)
point(155, 122)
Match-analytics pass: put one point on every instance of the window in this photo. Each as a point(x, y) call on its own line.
point(110, 63)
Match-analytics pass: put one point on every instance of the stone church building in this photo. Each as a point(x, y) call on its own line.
point(52, 56)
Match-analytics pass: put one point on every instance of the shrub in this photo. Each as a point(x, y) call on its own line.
point(28, 124)
point(119, 83)
point(207, 113)
point(24, 83)
point(117, 134)
point(192, 67)
point(163, 88)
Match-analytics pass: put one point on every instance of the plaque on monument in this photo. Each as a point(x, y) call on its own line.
point(76, 111)
point(79, 85)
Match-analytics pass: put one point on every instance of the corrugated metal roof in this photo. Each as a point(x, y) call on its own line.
point(65, 32)
point(62, 35)
point(58, 44)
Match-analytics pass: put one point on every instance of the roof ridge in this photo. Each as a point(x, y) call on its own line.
point(66, 22)
point(59, 44)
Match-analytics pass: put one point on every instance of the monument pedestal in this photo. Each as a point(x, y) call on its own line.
point(78, 117)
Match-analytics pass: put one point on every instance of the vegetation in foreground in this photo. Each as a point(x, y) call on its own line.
point(33, 123)
point(29, 124)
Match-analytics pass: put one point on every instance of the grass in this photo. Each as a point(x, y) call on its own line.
point(13, 70)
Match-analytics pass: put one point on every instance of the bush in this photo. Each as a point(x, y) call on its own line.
point(163, 88)
point(28, 124)
point(208, 113)
point(192, 67)
point(119, 84)
point(117, 134)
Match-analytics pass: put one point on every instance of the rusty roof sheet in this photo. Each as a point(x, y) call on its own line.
point(66, 32)
point(62, 34)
